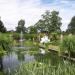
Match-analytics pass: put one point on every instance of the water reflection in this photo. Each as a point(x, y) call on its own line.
point(29, 58)
point(1, 63)
point(14, 60)
point(10, 61)
point(49, 58)
point(20, 56)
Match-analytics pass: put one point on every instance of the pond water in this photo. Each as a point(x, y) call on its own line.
point(14, 59)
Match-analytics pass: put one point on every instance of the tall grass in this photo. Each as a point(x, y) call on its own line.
point(68, 44)
point(36, 68)
point(5, 43)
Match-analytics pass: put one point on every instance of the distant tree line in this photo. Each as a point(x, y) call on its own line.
point(49, 22)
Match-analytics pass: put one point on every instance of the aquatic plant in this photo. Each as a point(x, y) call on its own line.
point(68, 44)
point(38, 68)
point(5, 44)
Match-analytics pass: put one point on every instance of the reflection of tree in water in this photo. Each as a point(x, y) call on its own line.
point(41, 58)
point(1, 63)
point(49, 58)
point(25, 56)
point(20, 56)
point(5, 47)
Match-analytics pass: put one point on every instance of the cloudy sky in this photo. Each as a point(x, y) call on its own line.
point(11, 11)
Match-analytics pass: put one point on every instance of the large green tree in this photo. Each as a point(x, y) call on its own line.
point(46, 17)
point(32, 30)
point(44, 22)
point(21, 26)
point(40, 26)
point(55, 22)
point(71, 26)
point(50, 22)
point(2, 28)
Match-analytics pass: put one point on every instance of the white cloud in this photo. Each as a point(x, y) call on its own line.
point(64, 1)
point(13, 10)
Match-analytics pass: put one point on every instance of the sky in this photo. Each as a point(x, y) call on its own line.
point(11, 11)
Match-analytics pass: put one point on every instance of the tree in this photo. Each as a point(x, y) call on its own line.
point(44, 22)
point(55, 22)
point(50, 22)
point(2, 28)
point(46, 17)
point(40, 26)
point(71, 26)
point(32, 29)
point(20, 26)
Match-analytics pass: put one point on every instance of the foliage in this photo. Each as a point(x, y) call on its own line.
point(71, 26)
point(28, 43)
point(50, 22)
point(40, 26)
point(30, 36)
point(32, 30)
point(5, 43)
point(54, 36)
point(20, 26)
point(55, 22)
point(6, 37)
point(5, 47)
point(1, 73)
point(55, 42)
point(68, 44)
point(2, 28)
point(21, 22)
point(38, 68)
point(16, 36)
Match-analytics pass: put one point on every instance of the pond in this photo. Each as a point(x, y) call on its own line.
point(14, 59)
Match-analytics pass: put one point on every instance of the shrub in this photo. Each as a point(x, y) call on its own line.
point(16, 36)
point(5, 43)
point(54, 36)
point(30, 36)
point(68, 44)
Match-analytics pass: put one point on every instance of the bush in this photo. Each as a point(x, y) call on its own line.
point(68, 44)
point(30, 36)
point(16, 36)
point(54, 36)
point(5, 43)
point(1, 73)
